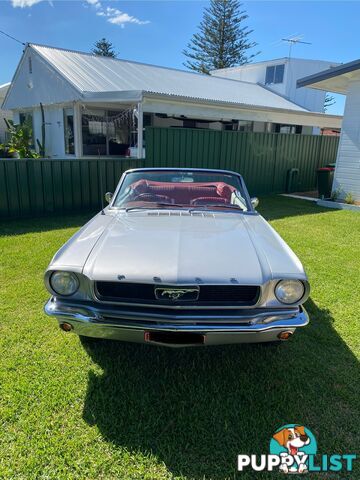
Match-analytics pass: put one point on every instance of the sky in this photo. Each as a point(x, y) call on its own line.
point(157, 31)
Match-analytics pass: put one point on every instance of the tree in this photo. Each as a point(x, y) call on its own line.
point(104, 48)
point(329, 100)
point(222, 40)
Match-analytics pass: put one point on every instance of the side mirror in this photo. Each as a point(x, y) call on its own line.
point(108, 196)
point(254, 202)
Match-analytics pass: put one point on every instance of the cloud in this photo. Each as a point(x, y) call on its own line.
point(113, 15)
point(122, 18)
point(95, 3)
point(24, 3)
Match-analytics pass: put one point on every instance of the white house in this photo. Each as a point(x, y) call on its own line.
point(280, 75)
point(4, 113)
point(90, 105)
point(344, 79)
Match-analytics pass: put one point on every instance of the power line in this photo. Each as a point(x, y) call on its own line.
point(12, 38)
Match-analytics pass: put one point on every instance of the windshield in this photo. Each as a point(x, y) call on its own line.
point(181, 189)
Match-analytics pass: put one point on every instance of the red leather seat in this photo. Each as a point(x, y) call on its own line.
point(224, 190)
point(151, 197)
point(209, 200)
point(184, 193)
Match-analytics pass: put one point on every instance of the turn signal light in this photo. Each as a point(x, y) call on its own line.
point(285, 335)
point(66, 327)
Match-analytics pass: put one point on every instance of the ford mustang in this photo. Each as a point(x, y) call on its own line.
point(179, 257)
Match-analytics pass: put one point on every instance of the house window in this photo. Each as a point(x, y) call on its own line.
point(274, 74)
point(280, 128)
point(26, 118)
point(118, 132)
point(245, 126)
point(94, 132)
point(107, 132)
point(189, 123)
point(69, 131)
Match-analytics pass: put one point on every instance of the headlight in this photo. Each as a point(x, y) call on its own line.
point(289, 291)
point(64, 283)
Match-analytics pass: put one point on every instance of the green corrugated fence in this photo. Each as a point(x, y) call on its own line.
point(262, 158)
point(46, 186)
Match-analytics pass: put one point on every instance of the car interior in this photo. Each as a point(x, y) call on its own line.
point(180, 188)
point(197, 193)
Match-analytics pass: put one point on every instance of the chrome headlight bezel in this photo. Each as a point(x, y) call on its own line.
point(298, 293)
point(64, 290)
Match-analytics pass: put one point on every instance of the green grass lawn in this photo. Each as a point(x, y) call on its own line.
point(123, 411)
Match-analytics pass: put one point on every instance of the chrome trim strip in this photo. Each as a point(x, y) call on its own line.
point(92, 317)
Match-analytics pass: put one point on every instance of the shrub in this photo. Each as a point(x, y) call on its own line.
point(349, 198)
point(20, 140)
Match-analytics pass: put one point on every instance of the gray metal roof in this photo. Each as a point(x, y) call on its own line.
point(91, 74)
point(335, 79)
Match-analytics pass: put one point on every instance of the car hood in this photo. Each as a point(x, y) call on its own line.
point(182, 248)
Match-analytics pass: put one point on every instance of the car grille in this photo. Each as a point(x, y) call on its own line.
point(205, 295)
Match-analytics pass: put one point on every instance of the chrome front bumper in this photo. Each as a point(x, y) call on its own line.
point(136, 325)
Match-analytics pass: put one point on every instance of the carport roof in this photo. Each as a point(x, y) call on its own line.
point(334, 79)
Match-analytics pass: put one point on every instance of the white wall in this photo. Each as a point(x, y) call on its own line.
point(347, 173)
point(54, 130)
point(308, 98)
point(36, 81)
point(295, 68)
point(4, 113)
point(3, 128)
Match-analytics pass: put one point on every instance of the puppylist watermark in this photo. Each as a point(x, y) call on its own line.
point(293, 450)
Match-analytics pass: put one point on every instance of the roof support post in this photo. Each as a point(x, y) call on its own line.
point(140, 132)
point(77, 130)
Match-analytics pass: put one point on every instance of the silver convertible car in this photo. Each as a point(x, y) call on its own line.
point(179, 257)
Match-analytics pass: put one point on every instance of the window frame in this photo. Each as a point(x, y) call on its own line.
point(270, 79)
point(106, 119)
point(66, 114)
point(26, 116)
point(246, 197)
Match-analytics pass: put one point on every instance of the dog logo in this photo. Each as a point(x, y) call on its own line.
point(293, 449)
point(293, 443)
point(177, 294)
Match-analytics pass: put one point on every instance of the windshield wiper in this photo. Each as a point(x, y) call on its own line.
point(140, 207)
